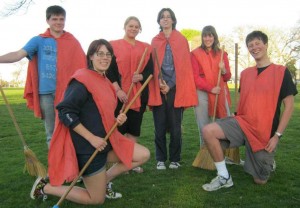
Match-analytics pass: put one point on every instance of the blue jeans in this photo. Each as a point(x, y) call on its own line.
point(166, 116)
point(48, 114)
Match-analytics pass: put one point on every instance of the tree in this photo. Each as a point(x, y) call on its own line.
point(292, 68)
point(189, 34)
point(13, 8)
point(193, 37)
point(17, 74)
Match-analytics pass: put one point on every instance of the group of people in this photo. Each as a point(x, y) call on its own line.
point(80, 98)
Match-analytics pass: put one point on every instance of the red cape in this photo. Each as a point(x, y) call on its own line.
point(70, 57)
point(128, 58)
point(210, 66)
point(258, 101)
point(186, 95)
point(62, 157)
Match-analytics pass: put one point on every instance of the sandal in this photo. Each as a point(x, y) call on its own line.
point(138, 170)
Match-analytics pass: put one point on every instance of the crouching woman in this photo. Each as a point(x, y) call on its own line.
point(86, 114)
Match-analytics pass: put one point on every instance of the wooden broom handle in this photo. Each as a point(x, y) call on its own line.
point(137, 71)
point(106, 138)
point(218, 85)
point(159, 69)
point(13, 118)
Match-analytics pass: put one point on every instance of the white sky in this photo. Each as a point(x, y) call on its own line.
point(94, 19)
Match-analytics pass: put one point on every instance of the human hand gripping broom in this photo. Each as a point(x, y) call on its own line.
point(203, 158)
point(32, 165)
point(105, 139)
point(136, 72)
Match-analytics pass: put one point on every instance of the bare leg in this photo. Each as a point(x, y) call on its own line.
point(130, 136)
point(140, 155)
point(259, 181)
point(212, 133)
point(93, 194)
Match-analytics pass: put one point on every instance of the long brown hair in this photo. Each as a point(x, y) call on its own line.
point(210, 30)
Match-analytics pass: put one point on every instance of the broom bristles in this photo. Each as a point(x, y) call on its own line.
point(32, 165)
point(233, 154)
point(204, 160)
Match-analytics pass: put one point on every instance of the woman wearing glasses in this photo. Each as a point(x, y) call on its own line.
point(172, 88)
point(126, 72)
point(86, 115)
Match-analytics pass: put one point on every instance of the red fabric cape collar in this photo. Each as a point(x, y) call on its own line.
point(186, 91)
point(128, 58)
point(62, 158)
point(256, 118)
point(68, 48)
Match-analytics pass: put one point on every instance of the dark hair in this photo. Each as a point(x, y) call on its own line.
point(94, 47)
point(257, 34)
point(210, 30)
point(160, 14)
point(55, 10)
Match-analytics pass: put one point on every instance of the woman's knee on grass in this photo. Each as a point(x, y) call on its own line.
point(96, 187)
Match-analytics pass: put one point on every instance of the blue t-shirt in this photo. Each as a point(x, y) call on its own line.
point(46, 51)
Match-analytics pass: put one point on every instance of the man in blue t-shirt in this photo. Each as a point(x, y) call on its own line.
point(53, 57)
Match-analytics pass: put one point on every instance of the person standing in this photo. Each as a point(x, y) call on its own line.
point(172, 88)
point(83, 124)
point(53, 57)
point(123, 73)
point(258, 123)
point(207, 62)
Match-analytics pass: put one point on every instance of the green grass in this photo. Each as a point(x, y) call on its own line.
point(152, 189)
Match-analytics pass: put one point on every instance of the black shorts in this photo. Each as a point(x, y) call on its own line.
point(97, 165)
point(133, 122)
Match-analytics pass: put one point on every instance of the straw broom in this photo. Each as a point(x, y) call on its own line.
point(234, 153)
point(203, 158)
point(106, 138)
point(32, 165)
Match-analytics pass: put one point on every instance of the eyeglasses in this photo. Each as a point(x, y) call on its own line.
point(165, 17)
point(102, 54)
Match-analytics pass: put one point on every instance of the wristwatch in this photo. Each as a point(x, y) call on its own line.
point(278, 134)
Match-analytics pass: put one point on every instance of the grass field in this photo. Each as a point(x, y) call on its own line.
point(151, 189)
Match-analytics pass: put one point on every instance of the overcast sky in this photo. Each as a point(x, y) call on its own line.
point(94, 19)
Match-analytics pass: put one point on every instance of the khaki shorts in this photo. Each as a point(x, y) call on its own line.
point(258, 164)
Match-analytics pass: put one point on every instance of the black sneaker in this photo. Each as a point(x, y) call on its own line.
point(110, 194)
point(37, 189)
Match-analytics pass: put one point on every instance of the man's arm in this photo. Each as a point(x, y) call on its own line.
point(13, 56)
point(288, 103)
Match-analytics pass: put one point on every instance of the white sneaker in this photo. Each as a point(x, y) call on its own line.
point(110, 194)
point(274, 166)
point(228, 161)
point(161, 166)
point(174, 165)
point(217, 183)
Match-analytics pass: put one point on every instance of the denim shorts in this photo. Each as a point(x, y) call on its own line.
point(97, 165)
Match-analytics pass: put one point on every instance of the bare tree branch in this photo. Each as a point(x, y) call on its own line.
point(13, 8)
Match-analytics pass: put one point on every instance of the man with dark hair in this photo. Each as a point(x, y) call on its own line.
point(53, 57)
point(257, 123)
